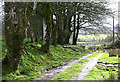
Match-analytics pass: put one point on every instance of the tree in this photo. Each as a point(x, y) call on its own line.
point(15, 24)
point(63, 13)
point(74, 29)
point(46, 44)
point(76, 37)
point(35, 32)
point(90, 15)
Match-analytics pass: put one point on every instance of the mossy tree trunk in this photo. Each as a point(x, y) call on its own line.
point(15, 23)
point(29, 34)
point(60, 28)
point(54, 33)
point(46, 43)
point(68, 30)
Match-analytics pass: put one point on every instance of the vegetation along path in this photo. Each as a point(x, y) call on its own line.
point(87, 67)
point(53, 73)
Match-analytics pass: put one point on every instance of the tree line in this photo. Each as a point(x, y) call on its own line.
point(61, 19)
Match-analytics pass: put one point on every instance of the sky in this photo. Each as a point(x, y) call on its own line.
point(113, 5)
point(1, 10)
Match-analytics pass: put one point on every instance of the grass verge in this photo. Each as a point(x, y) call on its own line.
point(72, 72)
point(99, 74)
point(30, 66)
point(97, 53)
point(104, 73)
point(105, 58)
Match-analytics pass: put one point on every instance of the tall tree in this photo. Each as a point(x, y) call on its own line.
point(48, 21)
point(74, 29)
point(15, 24)
point(76, 37)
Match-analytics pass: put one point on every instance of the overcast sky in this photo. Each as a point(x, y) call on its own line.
point(1, 10)
point(113, 4)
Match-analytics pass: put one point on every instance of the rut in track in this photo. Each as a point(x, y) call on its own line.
point(54, 72)
point(87, 67)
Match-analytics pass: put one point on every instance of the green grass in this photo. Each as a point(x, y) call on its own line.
point(105, 58)
point(92, 36)
point(72, 72)
point(30, 66)
point(95, 74)
point(92, 45)
point(97, 53)
point(100, 74)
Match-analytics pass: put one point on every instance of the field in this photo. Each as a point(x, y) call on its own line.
point(93, 37)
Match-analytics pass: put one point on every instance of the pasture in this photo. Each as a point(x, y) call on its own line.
point(92, 37)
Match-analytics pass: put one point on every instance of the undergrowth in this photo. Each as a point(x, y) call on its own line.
point(30, 66)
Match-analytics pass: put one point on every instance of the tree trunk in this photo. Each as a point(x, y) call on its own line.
point(68, 30)
point(54, 33)
point(42, 29)
point(60, 28)
point(14, 33)
point(76, 37)
point(46, 44)
point(30, 34)
point(113, 34)
point(74, 30)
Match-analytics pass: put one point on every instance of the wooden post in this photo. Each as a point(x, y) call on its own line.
point(113, 34)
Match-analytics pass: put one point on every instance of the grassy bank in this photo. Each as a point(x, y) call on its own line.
point(31, 66)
